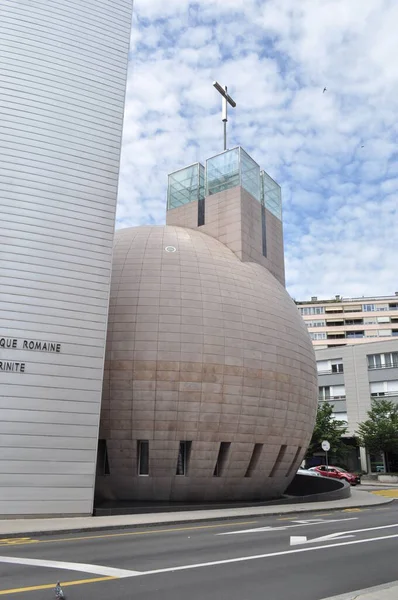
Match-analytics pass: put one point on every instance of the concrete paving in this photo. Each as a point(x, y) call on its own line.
point(11, 528)
point(379, 592)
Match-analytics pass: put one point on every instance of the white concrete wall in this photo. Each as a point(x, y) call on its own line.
point(62, 85)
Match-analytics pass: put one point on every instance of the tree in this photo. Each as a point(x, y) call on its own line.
point(379, 433)
point(327, 428)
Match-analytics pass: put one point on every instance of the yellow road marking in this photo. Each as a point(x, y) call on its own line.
point(49, 586)
point(352, 510)
point(16, 541)
point(386, 493)
point(129, 533)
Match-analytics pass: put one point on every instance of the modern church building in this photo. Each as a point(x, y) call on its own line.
point(63, 76)
point(210, 386)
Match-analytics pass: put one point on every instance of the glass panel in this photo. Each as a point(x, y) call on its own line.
point(271, 195)
point(185, 185)
point(222, 172)
point(250, 175)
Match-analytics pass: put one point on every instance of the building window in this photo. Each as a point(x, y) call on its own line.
point(355, 334)
point(312, 310)
point(391, 359)
point(368, 307)
point(279, 459)
point(263, 231)
point(318, 323)
point(382, 361)
point(324, 393)
point(294, 461)
point(255, 457)
point(102, 459)
point(201, 212)
point(222, 459)
point(338, 368)
point(143, 457)
point(318, 336)
point(184, 454)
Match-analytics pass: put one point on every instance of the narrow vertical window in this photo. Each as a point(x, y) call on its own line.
point(102, 459)
point(254, 459)
point(294, 461)
point(143, 457)
point(264, 231)
point(184, 453)
point(278, 461)
point(222, 459)
point(201, 212)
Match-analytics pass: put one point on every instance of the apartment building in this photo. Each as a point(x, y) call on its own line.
point(347, 321)
point(349, 378)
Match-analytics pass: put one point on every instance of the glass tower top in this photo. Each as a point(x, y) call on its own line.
point(224, 171)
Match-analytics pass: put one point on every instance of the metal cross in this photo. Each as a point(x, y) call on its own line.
point(226, 99)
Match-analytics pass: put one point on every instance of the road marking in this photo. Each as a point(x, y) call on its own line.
point(269, 555)
point(338, 534)
point(50, 586)
point(16, 541)
point(352, 510)
point(302, 539)
point(69, 566)
point(284, 527)
point(386, 493)
point(125, 534)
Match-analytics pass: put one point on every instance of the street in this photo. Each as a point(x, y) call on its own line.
point(294, 557)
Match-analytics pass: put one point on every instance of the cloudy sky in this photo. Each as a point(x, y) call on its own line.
point(334, 153)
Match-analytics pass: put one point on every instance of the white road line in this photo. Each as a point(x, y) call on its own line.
point(269, 555)
point(302, 539)
point(69, 566)
point(284, 527)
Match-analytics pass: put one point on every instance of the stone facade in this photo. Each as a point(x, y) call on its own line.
point(207, 349)
point(233, 216)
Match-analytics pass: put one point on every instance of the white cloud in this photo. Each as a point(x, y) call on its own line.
point(334, 153)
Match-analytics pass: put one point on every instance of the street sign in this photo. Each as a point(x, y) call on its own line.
point(325, 446)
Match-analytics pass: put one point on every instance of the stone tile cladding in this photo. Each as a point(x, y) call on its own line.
point(234, 218)
point(204, 348)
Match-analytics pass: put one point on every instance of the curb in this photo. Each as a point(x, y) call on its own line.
point(358, 594)
point(181, 521)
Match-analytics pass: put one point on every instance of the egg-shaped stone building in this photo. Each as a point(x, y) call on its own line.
point(210, 386)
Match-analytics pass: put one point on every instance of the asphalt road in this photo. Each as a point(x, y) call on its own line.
point(295, 557)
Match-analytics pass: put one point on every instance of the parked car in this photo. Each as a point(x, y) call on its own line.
point(308, 472)
point(337, 473)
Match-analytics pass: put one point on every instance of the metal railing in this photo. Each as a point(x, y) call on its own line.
point(389, 366)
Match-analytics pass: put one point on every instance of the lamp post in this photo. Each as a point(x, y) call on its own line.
point(226, 99)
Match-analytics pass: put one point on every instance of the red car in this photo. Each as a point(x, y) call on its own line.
point(337, 473)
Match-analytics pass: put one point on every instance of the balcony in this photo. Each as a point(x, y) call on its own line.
point(390, 365)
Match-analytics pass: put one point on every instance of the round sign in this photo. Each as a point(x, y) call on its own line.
point(325, 446)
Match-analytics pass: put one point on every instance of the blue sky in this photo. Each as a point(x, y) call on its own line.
point(333, 153)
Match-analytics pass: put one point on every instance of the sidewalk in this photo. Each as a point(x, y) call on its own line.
point(380, 592)
point(18, 527)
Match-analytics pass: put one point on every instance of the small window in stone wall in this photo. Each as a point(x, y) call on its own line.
point(278, 461)
point(222, 459)
point(294, 461)
point(102, 459)
point(255, 457)
point(143, 457)
point(184, 454)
